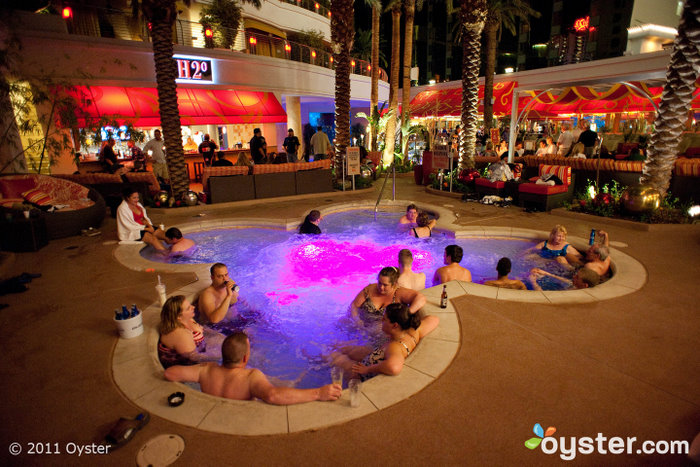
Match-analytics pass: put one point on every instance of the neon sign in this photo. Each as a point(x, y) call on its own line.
point(581, 24)
point(193, 69)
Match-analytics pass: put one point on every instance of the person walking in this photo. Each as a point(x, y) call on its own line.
point(155, 148)
point(320, 144)
point(291, 145)
point(258, 147)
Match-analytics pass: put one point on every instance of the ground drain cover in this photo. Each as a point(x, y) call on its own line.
point(160, 451)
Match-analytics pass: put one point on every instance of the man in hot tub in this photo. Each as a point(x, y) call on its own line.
point(233, 380)
point(410, 219)
point(215, 300)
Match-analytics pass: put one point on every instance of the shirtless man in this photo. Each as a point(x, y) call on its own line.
point(598, 256)
point(177, 242)
point(233, 380)
point(453, 271)
point(503, 267)
point(409, 220)
point(215, 300)
point(408, 278)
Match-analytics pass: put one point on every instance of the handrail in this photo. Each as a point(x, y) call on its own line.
point(392, 168)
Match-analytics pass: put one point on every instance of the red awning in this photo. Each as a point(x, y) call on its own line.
point(448, 102)
point(197, 106)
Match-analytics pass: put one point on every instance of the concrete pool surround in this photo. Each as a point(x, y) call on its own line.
point(139, 374)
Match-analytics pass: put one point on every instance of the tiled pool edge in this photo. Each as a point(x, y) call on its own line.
point(139, 376)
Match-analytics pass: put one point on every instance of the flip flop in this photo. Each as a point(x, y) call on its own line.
point(125, 429)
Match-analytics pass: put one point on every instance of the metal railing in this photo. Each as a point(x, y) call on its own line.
point(391, 170)
point(310, 5)
point(118, 24)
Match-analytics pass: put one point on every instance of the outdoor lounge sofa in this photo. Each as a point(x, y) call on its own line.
point(547, 197)
point(80, 207)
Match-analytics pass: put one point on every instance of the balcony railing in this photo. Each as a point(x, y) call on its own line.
point(99, 22)
point(310, 5)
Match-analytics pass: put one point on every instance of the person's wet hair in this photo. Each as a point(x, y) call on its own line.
point(602, 251)
point(405, 257)
point(503, 267)
point(234, 348)
point(455, 253)
point(423, 220)
point(216, 266)
point(588, 277)
point(313, 216)
point(391, 272)
point(398, 313)
point(411, 206)
point(173, 233)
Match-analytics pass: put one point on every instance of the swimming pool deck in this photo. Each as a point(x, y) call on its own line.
point(624, 366)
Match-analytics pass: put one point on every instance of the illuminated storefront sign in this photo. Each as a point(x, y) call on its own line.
point(581, 24)
point(193, 69)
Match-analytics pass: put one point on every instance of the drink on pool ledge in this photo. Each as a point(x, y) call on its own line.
point(337, 376)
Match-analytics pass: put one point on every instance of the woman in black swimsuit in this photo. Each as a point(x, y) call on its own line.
point(423, 230)
point(404, 330)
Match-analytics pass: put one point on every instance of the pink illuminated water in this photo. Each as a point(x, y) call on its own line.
point(296, 290)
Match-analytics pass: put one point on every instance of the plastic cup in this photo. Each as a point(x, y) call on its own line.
point(26, 214)
point(337, 376)
point(162, 296)
point(355, 387)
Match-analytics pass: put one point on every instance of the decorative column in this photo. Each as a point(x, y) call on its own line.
point(294, 121)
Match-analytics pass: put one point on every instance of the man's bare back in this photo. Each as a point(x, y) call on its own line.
point(452, 272)
point(231, 383)
point(411, 280)
point(506, 283)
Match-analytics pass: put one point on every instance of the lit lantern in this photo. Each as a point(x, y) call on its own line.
point(287, 48)
point(331, 59)
point(352, 63)
point(369, 67)
point(329, 14)
point(67, 13)
point(317, 6)
point(208, 33)
point(253, 41)
point(313, 54)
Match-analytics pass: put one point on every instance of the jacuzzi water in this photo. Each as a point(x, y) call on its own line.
point(296, 289)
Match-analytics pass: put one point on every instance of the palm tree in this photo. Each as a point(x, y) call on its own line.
point(681, 75)
point(342, 35)
point(473, 17)
point(409, 11)
point(501, 13)
point(374, 99)
point(390, 135)
point(161, 15)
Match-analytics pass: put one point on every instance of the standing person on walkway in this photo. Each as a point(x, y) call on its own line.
point(155, 148)
point(320, 144)
point(566, 140)
point(291, 146)
point(588, 138)
point(207, 150)
point(258, 147)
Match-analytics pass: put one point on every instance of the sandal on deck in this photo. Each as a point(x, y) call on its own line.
point(125, 429)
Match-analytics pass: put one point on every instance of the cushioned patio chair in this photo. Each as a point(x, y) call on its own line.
point(547, 197)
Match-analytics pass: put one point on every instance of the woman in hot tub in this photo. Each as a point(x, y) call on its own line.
point(557, 248)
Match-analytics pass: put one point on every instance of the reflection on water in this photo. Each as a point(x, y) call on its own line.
point(296, 290)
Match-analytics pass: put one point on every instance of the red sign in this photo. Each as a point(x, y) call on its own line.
point(581, 24)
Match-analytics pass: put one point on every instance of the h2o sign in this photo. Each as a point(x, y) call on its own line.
point(193, 69)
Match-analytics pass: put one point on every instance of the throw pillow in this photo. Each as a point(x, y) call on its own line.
point(37, 197)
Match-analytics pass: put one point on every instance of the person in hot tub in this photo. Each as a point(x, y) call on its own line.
point(181, 339)
point(404, 330)
point(179, 245)
point(369, 305)
point(557, 248)
point(215, 300)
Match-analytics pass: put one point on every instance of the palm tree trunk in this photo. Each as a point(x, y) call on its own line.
point(409, 15)
point(473, 17)
point(683, 70)
point(390, 134)
point(166, 72)
point(489, 70)
point(374, 99)
point(342, 35)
